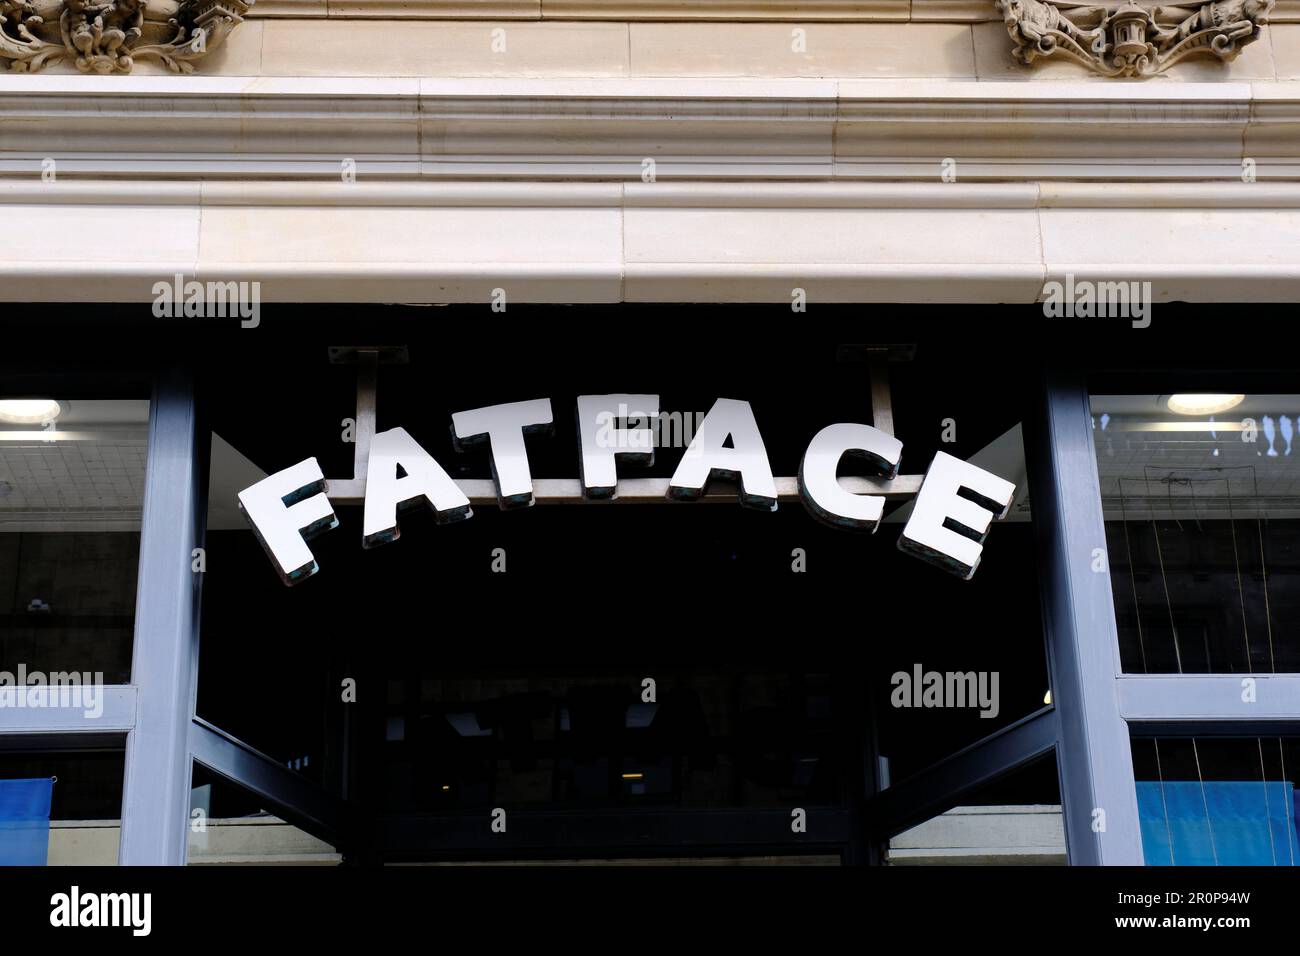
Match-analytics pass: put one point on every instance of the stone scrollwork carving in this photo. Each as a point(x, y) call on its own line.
point(108, 36)
point(1126, 39)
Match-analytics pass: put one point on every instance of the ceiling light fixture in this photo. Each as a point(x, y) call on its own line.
point(29, 411)
point(1203, 403)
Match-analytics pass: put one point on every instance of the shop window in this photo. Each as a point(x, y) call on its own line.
point(952, 660)
point(71, 492)
point(968, 661)
point(1218, 801)
point(1013, 821)
point(270, 666)
point(84, 800)
point(229, 827)
point(707, 739)
point(273, 659)
point(504, 660)
point(1201, 496)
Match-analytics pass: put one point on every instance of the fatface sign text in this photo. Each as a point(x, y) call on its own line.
point(950, 518)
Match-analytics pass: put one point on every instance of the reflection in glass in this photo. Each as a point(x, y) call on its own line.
point(1013, 821)
point(1203, 532)
point(71, 492)
point(706, 740)
point(1218, 801)
point(85, 800)
point(229, 827)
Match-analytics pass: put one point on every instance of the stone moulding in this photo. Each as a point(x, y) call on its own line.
point(1130, 40)
point(109, 36)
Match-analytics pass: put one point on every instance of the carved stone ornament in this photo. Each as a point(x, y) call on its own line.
point(1125, 39)
point(108, 36)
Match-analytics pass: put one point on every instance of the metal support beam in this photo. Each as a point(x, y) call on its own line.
point(367, 403)
point(1095, 763)
point(114, 702)
point(1199, 698)
point(345, 492)
point(882, 406)
point(296, 800)
point(164, 661)
point(943, 785)
point(651, 491)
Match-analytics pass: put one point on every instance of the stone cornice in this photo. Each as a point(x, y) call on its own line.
point(538, 187)
point(217, 127)
point(692, 195)
point(609, 242)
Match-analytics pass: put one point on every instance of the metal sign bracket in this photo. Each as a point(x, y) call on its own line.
point(368, 358)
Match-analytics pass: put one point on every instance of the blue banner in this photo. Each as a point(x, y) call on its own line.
point(25, 821)
point(1219, 822)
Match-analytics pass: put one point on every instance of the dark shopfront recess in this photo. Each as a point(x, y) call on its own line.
point(522, 690)
point(771, 684)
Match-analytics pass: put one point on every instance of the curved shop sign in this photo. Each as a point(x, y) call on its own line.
point(951, 516)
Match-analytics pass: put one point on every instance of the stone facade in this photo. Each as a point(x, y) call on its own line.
point(639, 151)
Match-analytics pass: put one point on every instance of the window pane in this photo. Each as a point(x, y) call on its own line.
point(1014, 821)
point(772, 638)
point(1201, 496)
point(976, 645)
point(1218, 801)
point(228, 827)
point(85, 800)
point(707, 740)
point(71, 492)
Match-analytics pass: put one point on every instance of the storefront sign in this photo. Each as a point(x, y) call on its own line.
point(951, 515)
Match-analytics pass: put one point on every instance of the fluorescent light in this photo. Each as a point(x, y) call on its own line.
point(1203, 403)
point(29, 411)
